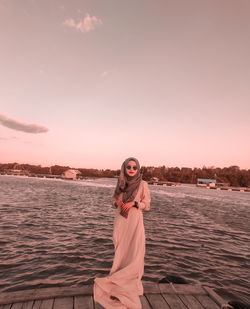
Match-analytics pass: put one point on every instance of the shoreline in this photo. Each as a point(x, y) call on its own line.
point(150, 182)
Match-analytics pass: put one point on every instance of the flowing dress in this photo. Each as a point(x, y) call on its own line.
point(124, 280)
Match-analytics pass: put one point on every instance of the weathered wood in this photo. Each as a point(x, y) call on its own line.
point(5, 306)
point(156, 296)
point(64, 303)
point(66, 291)
point(157, 301)
point(191, 302)
point(144, 302)
point(98, 306)
point(181, 289)
point(8, 297)
point(174, 301)
point(207, 302)
point(47, 304)
point(83, 302)
point(44, 293)
point(219, 301)
point(37, 304)
point(28, 304)
point(151, 287)
point(17, 306)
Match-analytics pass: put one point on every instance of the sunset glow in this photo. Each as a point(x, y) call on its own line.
point(88, 84)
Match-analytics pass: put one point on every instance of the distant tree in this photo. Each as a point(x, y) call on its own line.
point(232, 174)
point(58, 170)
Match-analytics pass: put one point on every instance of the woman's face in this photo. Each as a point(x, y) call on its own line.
point(131, 168)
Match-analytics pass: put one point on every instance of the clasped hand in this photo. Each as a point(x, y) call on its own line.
point(125, 206)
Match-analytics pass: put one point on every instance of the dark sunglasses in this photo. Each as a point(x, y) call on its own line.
point(134, 167)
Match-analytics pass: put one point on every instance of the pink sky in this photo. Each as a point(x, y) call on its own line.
point(88, 83)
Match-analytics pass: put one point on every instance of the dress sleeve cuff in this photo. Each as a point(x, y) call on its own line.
point(141, 205)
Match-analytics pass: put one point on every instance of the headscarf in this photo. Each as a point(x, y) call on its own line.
point(127, 184)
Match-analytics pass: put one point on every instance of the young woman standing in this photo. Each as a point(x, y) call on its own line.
point(121, 289)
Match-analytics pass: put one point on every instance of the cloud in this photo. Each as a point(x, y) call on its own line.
point(105, 73)
point(7, 138)
point(20, 126)
point(86, 25)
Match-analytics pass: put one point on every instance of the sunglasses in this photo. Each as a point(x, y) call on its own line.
point(134, 167)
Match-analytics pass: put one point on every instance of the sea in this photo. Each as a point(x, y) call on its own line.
point(57, 232)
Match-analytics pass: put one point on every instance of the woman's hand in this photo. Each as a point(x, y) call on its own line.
point(126, 206)
point(119, 203)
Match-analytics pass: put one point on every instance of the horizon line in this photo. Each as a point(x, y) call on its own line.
point(204, 166)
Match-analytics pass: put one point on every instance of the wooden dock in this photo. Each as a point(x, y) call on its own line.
point(164, 183)
point(225, 188)
point(156, 296)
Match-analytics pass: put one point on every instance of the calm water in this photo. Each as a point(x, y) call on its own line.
point(59, 233)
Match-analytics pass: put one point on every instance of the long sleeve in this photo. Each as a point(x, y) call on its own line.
point(144, 204)
point(114, 200)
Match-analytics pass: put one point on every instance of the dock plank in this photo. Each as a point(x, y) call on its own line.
point(37, 304)
point(98, 306)
point(144, 302)
point(156, 296)
point(64, 303)
point(207, 302)
point(174, 301)
point(28, 304)
point(44, 293)
point(17, 306)
point(83, 302)
point(183, 289)
point(64, 291)
point(157, 301)
point(219, 301)
point(191, 302)
point(151, 287)
point(47, 304)
point(5, 306)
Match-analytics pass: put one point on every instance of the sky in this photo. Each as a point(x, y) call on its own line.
point(90, 83)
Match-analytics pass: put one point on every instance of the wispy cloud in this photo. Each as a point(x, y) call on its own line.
point(7, 138)
point(89, 23)
point(105, 73)
point(21, 126)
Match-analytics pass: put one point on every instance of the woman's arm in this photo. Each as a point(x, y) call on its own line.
point(144, 204)
point(114, 200)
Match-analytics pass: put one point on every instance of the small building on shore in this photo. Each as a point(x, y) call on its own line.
point(71, 174)
point(203, 182)
point(17, 172)
point(155, 179)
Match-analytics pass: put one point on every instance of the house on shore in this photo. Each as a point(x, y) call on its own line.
point(71, 174)
point(155, 179)
point(17, 172)
point(211, 183)
point(203, 182)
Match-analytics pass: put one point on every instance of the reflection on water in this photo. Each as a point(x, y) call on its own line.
point(57, 233)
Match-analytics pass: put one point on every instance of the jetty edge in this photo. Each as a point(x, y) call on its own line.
point(156, 296)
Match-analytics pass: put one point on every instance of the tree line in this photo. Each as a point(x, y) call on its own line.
point(232, 175)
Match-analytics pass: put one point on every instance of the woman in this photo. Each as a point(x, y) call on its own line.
point(121, 289)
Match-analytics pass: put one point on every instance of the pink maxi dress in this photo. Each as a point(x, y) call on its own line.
point(124, 280)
